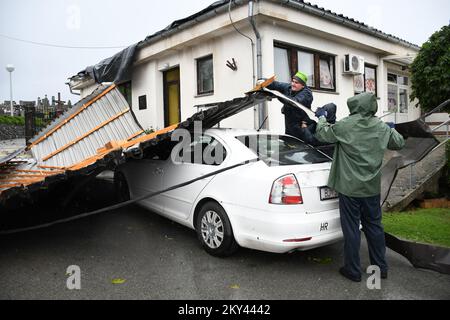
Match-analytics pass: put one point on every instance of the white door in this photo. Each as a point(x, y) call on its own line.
point(178, 203)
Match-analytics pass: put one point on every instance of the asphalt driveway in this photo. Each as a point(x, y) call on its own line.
point(131, 253)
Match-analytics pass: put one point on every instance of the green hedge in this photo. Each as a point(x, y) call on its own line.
point(16, 121)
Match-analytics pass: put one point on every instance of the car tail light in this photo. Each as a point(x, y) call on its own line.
point(286, 190)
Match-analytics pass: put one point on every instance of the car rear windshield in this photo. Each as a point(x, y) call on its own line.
point(279, 150)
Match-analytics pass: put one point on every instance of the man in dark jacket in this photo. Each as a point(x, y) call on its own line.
point(361, 140)
point(298, 91)
point(297, 122)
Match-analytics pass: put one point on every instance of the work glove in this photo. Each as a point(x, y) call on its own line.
point(261, 81)
point(321, 112)
point(391, 125)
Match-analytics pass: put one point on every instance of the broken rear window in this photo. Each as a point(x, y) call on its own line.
point(278, 150)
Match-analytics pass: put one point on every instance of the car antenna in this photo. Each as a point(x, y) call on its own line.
point(262, 125)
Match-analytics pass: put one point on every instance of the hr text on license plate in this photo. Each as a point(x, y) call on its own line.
point(327, 193)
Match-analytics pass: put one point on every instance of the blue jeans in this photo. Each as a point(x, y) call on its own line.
point(368, 212)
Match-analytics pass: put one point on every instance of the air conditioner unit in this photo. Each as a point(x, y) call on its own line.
point(353, 64)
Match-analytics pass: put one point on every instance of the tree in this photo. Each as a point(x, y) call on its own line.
point(430, 71)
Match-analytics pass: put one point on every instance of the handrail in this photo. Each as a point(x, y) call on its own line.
point(438, 108)
point(385, 115)
point(441, 125)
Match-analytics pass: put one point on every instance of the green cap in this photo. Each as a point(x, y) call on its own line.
point(300, 76)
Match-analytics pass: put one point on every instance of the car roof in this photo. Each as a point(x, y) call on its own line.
point(233, 132)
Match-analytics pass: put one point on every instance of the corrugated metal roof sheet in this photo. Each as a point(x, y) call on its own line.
point(105, 117)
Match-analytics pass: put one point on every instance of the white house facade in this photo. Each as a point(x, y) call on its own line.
point(205, 60)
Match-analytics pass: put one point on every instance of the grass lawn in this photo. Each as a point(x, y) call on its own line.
point(430, 226)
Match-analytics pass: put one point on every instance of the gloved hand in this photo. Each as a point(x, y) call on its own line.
point(261, 81)
point(391, 125)
point(321, 112)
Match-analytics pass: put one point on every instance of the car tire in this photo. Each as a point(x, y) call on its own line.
point(121, 187)
point(214, 230)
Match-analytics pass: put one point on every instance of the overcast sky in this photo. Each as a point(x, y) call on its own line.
point(43, 70)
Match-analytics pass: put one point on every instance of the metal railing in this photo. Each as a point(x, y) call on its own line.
point(437, 109)
point(447, 124)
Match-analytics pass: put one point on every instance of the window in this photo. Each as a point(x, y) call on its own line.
point(366, 82)
point(205, 75)
point(398, 96)
point(143, 102)
point(319, 67)
point(203, 150)
point(277, 150)
point(370, 79)
point(306, 65)
point(282, 67)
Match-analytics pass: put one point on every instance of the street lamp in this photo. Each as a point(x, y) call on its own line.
point(10, 68)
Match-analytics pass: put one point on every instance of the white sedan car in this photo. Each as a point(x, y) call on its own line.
point(278, 204)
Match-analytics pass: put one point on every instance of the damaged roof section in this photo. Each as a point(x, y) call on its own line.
point(102, 117)
point(101, 132)
point(98, 133)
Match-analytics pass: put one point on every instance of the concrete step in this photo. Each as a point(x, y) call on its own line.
point(412, 181)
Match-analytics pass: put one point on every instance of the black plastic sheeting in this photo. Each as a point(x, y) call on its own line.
point(114, 69)
point(421, 255)
point(419, 142)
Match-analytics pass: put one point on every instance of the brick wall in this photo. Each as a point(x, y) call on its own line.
point(11, 132)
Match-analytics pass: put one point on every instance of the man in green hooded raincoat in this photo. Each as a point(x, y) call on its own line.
point(361, 140)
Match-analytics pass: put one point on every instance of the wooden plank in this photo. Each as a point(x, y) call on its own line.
point(9, 186)
point(61, 169)
point(114, 145)
point(135, 135)
point(40, 171)
point(25, 181)
point(262, 85)
point(84, 107)
point(150, 136)
point(22, 176)
point(85, 135)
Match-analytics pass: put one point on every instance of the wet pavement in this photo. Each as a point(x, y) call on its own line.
point(9, 146)
point(131, 253)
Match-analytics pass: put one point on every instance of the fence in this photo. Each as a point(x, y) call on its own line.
point(36, 120)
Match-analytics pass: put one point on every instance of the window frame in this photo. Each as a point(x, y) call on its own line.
point(142, 102)
point(399, 87)
point(375, 68)
point(364, 79)
point(198, 61)
point(293, 63)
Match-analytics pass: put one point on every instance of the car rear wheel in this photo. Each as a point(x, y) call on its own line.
point(121, 187)
point(214, 230)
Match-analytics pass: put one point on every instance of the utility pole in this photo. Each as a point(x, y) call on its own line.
point(10, 68)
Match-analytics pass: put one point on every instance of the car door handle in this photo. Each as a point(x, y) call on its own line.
point(158, 171)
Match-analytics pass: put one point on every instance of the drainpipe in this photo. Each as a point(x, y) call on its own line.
point(261, 106)
point(70, 88)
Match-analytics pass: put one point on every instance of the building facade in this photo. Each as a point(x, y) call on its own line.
point(203, 60)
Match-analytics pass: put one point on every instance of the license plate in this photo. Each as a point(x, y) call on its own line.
point(327, 194)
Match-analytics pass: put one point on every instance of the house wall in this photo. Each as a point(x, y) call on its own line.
point(228, 84)
point(276, 23)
